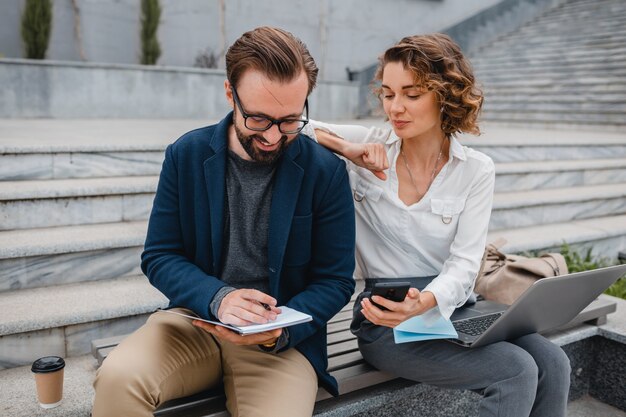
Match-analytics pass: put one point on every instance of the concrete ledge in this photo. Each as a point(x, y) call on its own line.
point(92, 301)
point(58, 89)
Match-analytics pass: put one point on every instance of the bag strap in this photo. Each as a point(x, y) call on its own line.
point(491, 251)
point(555, 267)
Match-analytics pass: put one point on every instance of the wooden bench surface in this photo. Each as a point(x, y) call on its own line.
point(345, 363)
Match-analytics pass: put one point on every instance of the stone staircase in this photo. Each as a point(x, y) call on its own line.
point(74, 205)
point(566, 68)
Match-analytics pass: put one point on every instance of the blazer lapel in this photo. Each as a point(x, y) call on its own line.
point(215, 178)
point(287, 184)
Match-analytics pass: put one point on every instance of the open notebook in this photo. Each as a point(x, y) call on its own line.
point(287, 317)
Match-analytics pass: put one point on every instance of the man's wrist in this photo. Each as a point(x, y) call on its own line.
point(269, 346)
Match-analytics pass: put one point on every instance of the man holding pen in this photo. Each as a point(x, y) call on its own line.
point(249, 215)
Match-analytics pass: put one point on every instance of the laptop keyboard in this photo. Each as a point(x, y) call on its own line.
point(477, 325)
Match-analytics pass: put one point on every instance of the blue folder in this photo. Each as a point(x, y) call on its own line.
point(417, 328)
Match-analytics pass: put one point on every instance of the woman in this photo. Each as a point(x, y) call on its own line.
point(429, 220)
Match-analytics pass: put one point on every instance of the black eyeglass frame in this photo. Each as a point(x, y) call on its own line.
point(271, 121)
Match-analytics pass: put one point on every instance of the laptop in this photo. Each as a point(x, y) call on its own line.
point(547, 304)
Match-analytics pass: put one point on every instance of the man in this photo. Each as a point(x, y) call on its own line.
point(248, 215)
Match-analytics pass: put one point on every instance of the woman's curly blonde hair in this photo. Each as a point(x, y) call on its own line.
point(438, 65)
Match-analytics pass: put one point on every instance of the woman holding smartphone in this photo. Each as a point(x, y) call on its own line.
point(428, 218)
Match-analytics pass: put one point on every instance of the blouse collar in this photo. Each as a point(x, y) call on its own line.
point(456, 149)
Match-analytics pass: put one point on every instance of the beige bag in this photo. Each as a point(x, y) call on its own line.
point(503, 278)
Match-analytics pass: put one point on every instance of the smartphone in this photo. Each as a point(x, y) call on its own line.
point(394, 291)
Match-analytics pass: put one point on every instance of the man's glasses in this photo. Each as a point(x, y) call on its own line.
point(262, 123)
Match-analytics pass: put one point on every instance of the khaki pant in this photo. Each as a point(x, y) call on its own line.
point(170, 358)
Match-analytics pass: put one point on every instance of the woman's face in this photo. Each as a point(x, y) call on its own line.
point(412, 110)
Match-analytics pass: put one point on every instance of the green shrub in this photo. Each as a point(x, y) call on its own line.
point(36, 25)
point(150, 18)
point(577, 262)
point(618, 289)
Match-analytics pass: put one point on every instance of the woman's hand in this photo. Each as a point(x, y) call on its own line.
point(370, 156)
point(414, 304)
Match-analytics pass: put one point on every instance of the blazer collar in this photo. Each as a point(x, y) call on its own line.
point(215, 179)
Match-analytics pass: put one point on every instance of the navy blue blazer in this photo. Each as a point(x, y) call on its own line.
point(310, 242)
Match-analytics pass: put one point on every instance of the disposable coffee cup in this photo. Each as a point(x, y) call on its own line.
point(49, 379)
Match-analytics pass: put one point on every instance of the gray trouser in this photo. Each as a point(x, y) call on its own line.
point(528, 376)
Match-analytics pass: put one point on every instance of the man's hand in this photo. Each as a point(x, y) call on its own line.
point(237, 339)
point(246, 306)
point(414, 304)
point(370, 156)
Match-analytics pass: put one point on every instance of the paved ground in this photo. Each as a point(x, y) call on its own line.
point(54, 132)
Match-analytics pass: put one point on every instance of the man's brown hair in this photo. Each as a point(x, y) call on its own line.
point(274, 52)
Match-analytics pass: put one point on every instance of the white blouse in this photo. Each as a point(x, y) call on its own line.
point(441, 235)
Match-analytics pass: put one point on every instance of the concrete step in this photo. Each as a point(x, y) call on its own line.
point(606, 235)
point(56, 148)
point(571, 118)
point(544, 25)
point(591, 83)
point(505, 144)
point(517, 209)
point(612, 101)
point(583, 55)
point(43, 204)
point(537, 44)
point(48, 203)
point(79, 164)
point(537, 48)
point(550, 64)
point(548, 89)
point(555, 75)
point(613, 33)
point(520, 176)
point(63, 320)
point(609, 109)
point(592, 12)
point(522, 63)
point(45, 257)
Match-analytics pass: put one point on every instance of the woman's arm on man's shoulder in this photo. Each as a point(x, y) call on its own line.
point(360, 145)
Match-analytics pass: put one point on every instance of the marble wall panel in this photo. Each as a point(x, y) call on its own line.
point(26, 167)
point(49, 212)
point(137, 206)
point(107, 164)
point(43, 271)
point(23, 349)
point(78, 337)
point(555, 213)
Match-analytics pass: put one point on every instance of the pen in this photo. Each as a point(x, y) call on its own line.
point(266, 306)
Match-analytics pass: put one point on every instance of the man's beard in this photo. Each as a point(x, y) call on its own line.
point(259, 155)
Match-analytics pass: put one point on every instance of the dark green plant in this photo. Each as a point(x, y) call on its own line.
point(618, 289)
point(36, 25)
point(150, 18)
point(577, 262)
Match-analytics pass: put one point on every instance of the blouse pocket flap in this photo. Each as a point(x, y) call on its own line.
point(447, 207)
point(362, 188)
